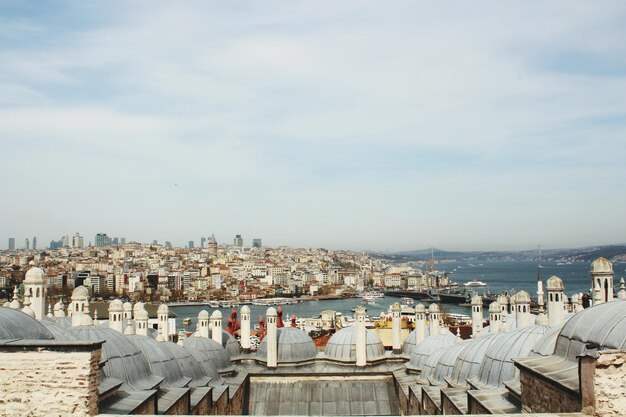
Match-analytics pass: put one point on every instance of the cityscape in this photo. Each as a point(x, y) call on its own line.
point(291, 208)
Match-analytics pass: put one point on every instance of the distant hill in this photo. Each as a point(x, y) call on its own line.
point(611, 252)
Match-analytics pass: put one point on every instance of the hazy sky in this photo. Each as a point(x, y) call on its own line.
point(365, 125)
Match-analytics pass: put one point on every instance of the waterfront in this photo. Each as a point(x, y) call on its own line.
point(499, 276)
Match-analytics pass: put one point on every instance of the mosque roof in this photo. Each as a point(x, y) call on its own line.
point(497, 366)
point(189, 366)
point(58, 332)
point(409, 343)
point(294, 346)
point(229, 343)
point(429, 346)
point(34, 276)
point(342, 346)
point(123, 360)
point(602, 326)
point(547, 343)
point(14, 324)
point(446, 363)
point(217, 354)
point(162, 361)
point(468, 362)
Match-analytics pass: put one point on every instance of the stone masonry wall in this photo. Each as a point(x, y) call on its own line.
point(49, 383)
point(544, 396)
point(609, 384)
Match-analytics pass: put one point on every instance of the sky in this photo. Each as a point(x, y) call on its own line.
point(355, 124)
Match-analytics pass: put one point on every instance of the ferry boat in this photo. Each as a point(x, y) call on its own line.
point(407, 301)
point(214, 304)
point(374, 294)
point(186, 321)
point(475, 284)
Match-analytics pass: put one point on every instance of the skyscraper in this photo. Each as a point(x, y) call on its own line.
point(191, 245)
point(34, 242)
point(78, 241)
point(212, 247)
point(11, 243)
point(256, 243)
point(202, 241)
point(168, 244)
point(122, 241)
point(238, 241)
point(26, 244)
point(102, 240)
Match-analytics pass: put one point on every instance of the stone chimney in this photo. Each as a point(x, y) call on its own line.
point(434, 318)
point(395, 327)
point(477, 315)
point(495, 317)
point(272, 338)
point(420, 323)
point(203, 324)
point(554, 289)
point(245, 328)
point(163, 314)
point(216, 326)
point(522, 309)
point(361, 336)
point(115, 316)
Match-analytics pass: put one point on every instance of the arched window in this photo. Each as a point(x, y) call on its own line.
point(38, 293)
point(551, 299)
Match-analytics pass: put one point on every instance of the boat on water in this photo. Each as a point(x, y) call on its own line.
point(472, 284)
point(214, 304)
point(373, 294)
point(186, 321)
point(458, 317)
point(407, 301)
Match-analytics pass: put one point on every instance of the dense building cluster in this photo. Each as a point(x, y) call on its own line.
point(564, 359)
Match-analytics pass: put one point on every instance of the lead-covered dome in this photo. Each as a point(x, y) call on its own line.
point(294, 346)
point(123, 360)
point(498, 367)
point(342, 346)
point(161, 360)
point(602, 326)
point(601, 266)
point(14, 324)
point(410, 342)
point(429, 346)
point(200, 374)
point(216, 352)
point(468, 362)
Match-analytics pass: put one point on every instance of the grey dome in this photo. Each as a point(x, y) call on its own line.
point(14, 324)
point(161, 360)
point(468, 362)
point(445, 364)
point(208, 364)
point(216, 352)
point(58, 332)
point(63, 322)
point(602, 326)
point(547, 343)
point(498, 367)
point(342, 346)
point(190, 367)
point(429, 346)
point(228, 342)
point(409, 343)
point(511, 322)
point(294, 346)
point(123, 360)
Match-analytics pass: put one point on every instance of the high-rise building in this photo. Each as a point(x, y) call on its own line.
point(191, 245)
point(168, 244)
point(34, 242)
point(65, 241)
point(102, 240)
point(155, 242)
point(78, 241)
point(122, 241)
point(256, 243)
point(26, 244)
point(11, 243)
point(202, 241)
point(238, 241)
point(115, 241)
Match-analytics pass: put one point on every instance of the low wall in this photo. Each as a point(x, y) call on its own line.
point(49, 378)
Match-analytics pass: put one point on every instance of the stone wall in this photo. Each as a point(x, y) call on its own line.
point(609, 384)
point(541, 395)
point(49, 378)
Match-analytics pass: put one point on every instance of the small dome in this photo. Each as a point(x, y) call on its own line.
point(468, 362)
point(498, 367)
point(433, 308)
point(602, 326)
point(138, 306)
point(503, 300)
point(141, 314)
point(163, 309)
point(601, 266)
point(127, 306)
point(271, 312)
point(14, 324)
point(409, 343)
point(495, 307)
point(294, 346)
point(80, 293)
point(547, 343)
point(216, 352)
point(435, 373)
point(203, 315)
point(58, 332)
point(420, 308)
point(34, 276)
point(200, 375)
point(115, 306)
point(476, 300)
point(575, 299)
point(342, 346)
point(522, 297)
point(161, 360)
point(429, 346)
point(245, 310)
point(621, 295)
point(229, 343)
point(122, 359)
point(554, 283)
